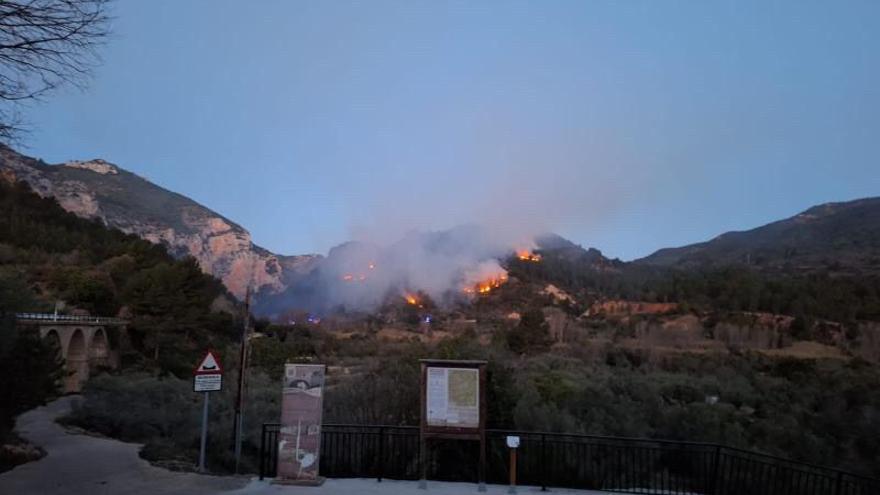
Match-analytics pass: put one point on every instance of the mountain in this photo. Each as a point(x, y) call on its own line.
point(96, 189)
point(442, 266)
point(841, 236)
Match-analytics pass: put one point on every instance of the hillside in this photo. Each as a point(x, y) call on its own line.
point(100, 190)
point(841, 236)
point(48, 255)
point(443, 264)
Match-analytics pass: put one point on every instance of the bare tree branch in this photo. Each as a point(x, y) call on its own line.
point(45, 44)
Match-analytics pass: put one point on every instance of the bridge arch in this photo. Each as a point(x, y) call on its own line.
point(76, 361)
point(54, 340)
point(99, 349)
point(83, 342)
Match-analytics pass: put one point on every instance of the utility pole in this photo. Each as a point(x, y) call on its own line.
point(242, 371)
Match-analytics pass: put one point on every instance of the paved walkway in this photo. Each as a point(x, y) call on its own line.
point(81, 464)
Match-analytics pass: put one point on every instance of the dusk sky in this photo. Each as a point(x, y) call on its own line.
point(627, 126)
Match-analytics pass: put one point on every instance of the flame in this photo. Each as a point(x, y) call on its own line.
point(411, 299)
point(486, 286)
point(350, 277)
point(526, 255)
point(483, 278)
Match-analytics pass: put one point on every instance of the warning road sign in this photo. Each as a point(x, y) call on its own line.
point(209, 365)
point(208, 375)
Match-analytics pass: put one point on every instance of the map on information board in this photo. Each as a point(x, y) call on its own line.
point(453, 397)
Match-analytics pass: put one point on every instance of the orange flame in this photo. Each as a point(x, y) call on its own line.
point(486, 286)
point(526, 255)
point(411, 299)
point(350, 277)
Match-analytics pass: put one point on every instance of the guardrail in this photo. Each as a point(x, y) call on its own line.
point(624, 465)
point(52, 317)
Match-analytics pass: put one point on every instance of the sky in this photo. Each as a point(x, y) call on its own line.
point(626, 126)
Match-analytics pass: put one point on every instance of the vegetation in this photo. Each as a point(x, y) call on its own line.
point(531, 335)
point(820, 411)
point(45, 44)
point(59, 256)
point(48, 254)
point(817, 294)
point(29, 365)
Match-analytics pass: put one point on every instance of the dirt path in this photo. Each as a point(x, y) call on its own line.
point(82, 464)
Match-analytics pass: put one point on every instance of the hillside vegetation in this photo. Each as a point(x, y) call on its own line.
point(841, 237)
point(49, 255)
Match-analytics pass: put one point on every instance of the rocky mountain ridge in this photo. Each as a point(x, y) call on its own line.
point(100, 190)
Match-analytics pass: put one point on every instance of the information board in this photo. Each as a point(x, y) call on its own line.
point(299, 441)
point(453, 407)
point(453, 397)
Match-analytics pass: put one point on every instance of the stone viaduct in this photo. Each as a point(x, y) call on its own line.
point(82, 340)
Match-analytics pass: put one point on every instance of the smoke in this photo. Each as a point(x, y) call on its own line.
point(508, 170)
point(507, 187)
point(448, 266)
point(507, 179)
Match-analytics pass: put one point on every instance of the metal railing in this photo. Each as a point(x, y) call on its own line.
point(52, 317)
point(625, 465)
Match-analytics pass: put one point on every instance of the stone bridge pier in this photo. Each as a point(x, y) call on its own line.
point(83, 342)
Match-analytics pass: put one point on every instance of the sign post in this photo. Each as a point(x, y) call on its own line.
point(207, 378)
point(204, 433)
point(512, 444)
point(453, 407)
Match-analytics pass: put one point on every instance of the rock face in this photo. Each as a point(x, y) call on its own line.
point(118, 198)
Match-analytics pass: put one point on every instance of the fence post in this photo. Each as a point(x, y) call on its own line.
point(543, 462)
point(262, 452)
point(838, 486)
point(716, 465)
point(381, 456)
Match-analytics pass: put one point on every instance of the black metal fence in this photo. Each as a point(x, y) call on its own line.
point(624, 465)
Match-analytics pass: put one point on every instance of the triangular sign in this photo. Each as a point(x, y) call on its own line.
point(209, 365)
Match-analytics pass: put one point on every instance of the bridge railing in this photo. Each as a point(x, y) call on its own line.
point(52, 317)
point(624, 465)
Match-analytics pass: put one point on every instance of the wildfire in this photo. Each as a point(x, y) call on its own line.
point(526, 255)
point(485, 286)
point(360, 277)
point(411, 299)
